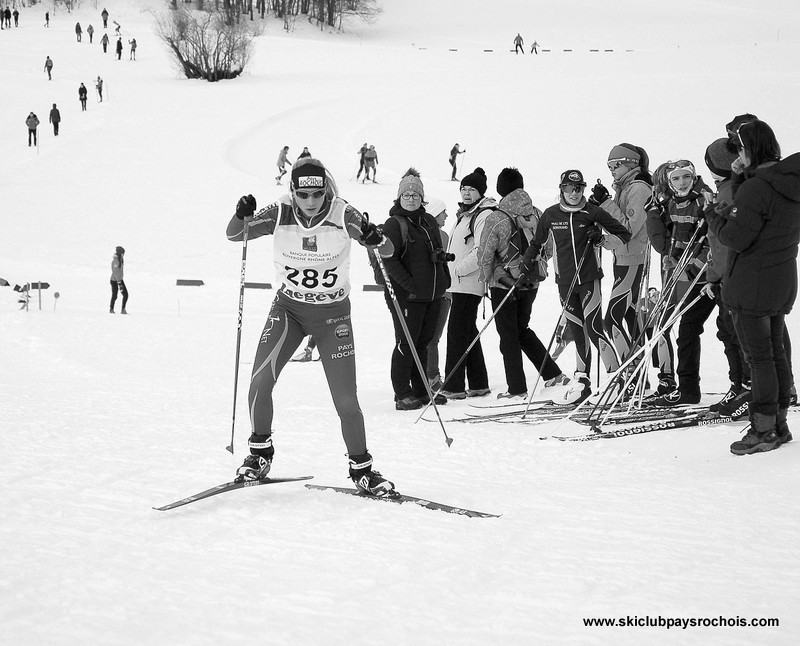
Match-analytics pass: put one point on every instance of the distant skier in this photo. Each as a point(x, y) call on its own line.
point(119, 49)
point(519, 45)
point(104, 43)
point(454, 153)
point(90, 31)
point(99, 87)
point(55, 119)
point(33, 123)
point(104, 16)
point(82, 95)
point(132, 43)
point(78, 31)
point(362, 151)
point(16, 18)
point(46, 18)
point(48, 67)
point(535, 48)
point(117, 28)
point(281, 163)
point(370, 164)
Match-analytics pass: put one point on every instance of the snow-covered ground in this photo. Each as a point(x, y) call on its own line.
point(103, 417)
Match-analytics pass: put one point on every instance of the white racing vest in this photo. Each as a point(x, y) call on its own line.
point(313, 264)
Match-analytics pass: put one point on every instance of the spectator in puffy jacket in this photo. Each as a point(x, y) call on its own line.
point(32, 122)
point(499, 256)
point(762, 229)
point(419, 275)
point(467, 292)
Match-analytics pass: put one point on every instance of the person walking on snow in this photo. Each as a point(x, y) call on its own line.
point(78, 31)
point(32, 121)
point(48, 67)
point(117, 279)
point(90, 31)
point(119, 49)
point(104, 16)
point(104, 43)
point(454, 153)
point(82, 94)
point(281, 163)
point(535, 48)
point(519, 46)
point(312, 230)
point(132, 43)
point(55, 119)
point(99, 87)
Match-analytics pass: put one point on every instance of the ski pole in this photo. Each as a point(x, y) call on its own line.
point(474, 341)
point(414, 353)
point(239, 332)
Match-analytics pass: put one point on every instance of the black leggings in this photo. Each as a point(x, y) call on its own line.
point(115, 287)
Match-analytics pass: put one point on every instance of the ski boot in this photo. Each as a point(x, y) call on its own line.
point(367, 481)
point(728, 396)
point(256, 466)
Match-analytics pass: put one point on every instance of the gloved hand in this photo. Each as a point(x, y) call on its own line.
point(245, 207)
point(506, 281)
point(599, 194)
point(371, 234)
point(668, 263)
point(594, 235)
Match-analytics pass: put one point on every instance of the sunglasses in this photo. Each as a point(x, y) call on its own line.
point(739, 143)
point(315, 195)
point(571, 188)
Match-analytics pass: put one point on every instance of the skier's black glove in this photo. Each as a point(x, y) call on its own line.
point(245, 207)
point(506, 281)
point(594, 235)
point(371, 234)
point(599, 194)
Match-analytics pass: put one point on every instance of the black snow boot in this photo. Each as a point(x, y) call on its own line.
point(760, 436)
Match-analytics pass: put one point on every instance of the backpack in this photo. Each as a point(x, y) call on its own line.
point(518, 244)
point(373, 262)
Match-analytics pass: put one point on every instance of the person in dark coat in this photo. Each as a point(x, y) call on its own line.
point(119, 49)
point(82, 95)
point(78, 31)
point(419, 275)
point(55, 119)
point(32, 121)
point(104, 16)
point(104, 43)
point(762, 230)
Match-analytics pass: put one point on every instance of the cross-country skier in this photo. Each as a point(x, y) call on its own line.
point(283, 159)
point(575, 226)
point(312, 229)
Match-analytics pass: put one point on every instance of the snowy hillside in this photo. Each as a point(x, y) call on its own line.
point(103, 417)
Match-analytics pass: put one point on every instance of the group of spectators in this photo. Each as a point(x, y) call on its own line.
point(729, 249)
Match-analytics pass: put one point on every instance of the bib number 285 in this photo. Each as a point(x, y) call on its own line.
point(311, 278)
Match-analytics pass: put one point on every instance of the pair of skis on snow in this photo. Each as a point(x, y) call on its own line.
point(396, 498)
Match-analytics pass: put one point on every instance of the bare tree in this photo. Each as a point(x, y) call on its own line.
point(210, 44)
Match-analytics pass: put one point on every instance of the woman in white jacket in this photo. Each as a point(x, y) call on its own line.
point(467, 291)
